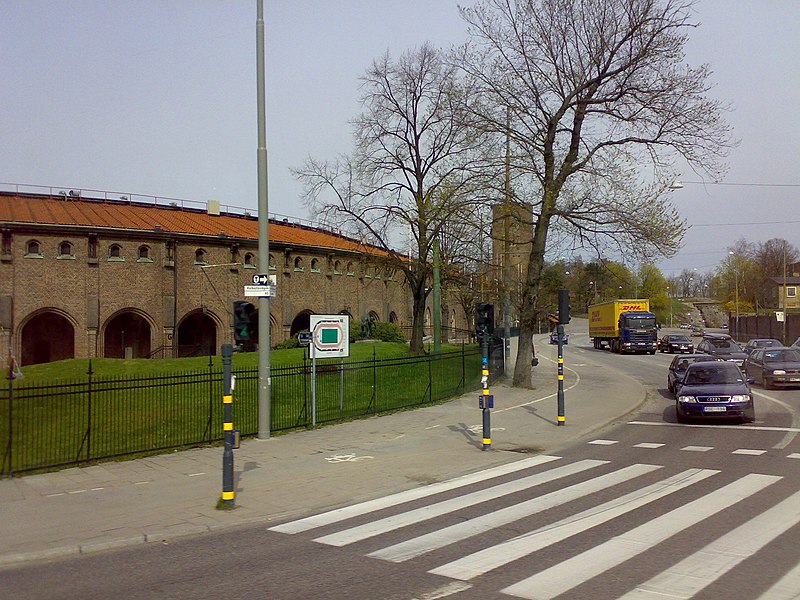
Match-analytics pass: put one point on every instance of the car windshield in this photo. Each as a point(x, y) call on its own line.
point(679, 338)
point(724, 345)
point(641, 322)
point(766, 343)
point(782, 356)
point(722, 374)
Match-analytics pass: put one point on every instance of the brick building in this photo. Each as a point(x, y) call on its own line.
point(86, 277)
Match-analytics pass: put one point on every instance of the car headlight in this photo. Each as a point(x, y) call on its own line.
point(687, 399)
point(740, 398)
point(779, 372)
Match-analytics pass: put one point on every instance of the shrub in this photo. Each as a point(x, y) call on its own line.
point(292, 342)
point(387, 332)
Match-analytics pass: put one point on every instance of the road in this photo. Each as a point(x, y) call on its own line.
point(648, 509)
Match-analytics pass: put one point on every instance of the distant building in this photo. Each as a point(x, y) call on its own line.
point(86, 277)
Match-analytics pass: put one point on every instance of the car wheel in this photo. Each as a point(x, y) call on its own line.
point(669, 387)
point(652, 352)
point(678, 416)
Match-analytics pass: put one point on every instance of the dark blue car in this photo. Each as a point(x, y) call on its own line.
point(714, 390)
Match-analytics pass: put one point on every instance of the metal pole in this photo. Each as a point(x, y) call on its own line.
point(785, 311)
point(264, 418)
point(506, 244)
point(313, 386)
point(486, 400)
point(228, 493)
point(561, 417)
point(437, 299)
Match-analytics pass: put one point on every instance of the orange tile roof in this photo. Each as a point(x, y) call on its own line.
point(117, 214)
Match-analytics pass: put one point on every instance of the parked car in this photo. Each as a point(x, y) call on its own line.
point(685, 326)
point(774, 367)
point(714, 390)
point(762, 343)
point(722, 346)
point(554, 337)
point(678, 366)
point(796, 343)
point(676, 343)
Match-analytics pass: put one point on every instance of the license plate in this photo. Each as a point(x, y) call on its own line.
point(794, 379)
point(714, 409)
point(684, 348)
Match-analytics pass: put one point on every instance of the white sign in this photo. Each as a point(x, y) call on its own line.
point(779, 316)
point(330, 336)
point(260, 291)
point(262, 279)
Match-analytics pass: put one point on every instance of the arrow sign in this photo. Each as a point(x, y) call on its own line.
point(262, 279)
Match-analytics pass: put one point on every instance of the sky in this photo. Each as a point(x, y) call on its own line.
point(158, 98)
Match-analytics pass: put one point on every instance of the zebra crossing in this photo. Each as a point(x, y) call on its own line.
point(685, 577)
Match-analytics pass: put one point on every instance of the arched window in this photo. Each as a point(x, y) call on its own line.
point(298, 264)
point(249, 261)
point(115, 253)
point(350, 270)
point(337, 268)
point(200, 257)
point(314, 265)
point(271, 262)
point(65, 250)
point(143, 254)
point(33, 249)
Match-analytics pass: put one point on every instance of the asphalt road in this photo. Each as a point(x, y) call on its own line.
point(647, 509)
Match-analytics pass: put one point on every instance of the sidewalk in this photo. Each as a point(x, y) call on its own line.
point(115, 504)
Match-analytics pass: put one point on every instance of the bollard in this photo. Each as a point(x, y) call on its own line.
point(228, 493)
point(561, 417)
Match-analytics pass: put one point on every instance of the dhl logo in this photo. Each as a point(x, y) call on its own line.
point(626, 307)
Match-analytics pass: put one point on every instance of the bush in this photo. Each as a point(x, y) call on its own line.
point(387, 332)
point(292, 342)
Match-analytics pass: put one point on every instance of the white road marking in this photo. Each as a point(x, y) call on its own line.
point(461, 531)
point(340, 458)
point(787, 588)
point(651, 445)
point(604, 442)
point(579, 569)
point(488, 559)
point(793, 455)
point(373, 528)
point(195, 474)
point(340, 514)
point(454, 587)
point(696, 572)
point(749, 452)
point(792, 433)
point(697, 448)
point(716, 426)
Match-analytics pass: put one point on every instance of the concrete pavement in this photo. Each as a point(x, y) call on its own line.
point(155, 499)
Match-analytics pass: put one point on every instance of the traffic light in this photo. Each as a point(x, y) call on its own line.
point(563, 307)
point(484, 317)
point(243, 321)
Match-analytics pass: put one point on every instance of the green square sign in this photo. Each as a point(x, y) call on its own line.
point(329, 335)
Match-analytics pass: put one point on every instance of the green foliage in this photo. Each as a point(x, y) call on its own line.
point(388, 332)
point(292, 342)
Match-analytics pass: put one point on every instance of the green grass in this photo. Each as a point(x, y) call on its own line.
point(145, 405)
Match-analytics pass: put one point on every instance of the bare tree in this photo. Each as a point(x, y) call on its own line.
point(595, 91)
point(415, 168)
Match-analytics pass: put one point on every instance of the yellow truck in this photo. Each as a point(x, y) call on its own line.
point(623, 326)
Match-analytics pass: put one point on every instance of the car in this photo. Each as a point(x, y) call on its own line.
point(796, 343)
point(722, 346)
point(554, 338)
point(724, 326)
point(676, 343)
point(678, 366)
point(685, 326)
point(698, 331)
point(714, 390)
point(774, 367)
point(761, 343)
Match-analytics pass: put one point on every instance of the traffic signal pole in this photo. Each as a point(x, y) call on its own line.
point(563, 317)
point(484, 327)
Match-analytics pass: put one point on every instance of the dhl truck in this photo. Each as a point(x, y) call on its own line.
point(624, 326)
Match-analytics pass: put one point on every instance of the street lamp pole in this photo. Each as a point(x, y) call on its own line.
point(736, 284)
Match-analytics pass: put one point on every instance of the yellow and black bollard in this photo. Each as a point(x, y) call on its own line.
point(228, 493)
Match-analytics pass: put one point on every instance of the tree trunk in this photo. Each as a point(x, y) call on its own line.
point(418, 320)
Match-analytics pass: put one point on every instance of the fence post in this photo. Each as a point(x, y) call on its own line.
point(374, 382)
point(89, 423)
point(209, 433)
point(10, 446)
point(430, 377)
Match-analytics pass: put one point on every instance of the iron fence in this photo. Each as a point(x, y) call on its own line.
point(71, 423)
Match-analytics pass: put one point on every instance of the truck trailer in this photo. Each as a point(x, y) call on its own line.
point(623, 326)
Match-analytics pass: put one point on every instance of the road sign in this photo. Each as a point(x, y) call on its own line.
point(304, 337)
point(330, 336)
point(262, 279)
point(780, 316)
point(260, 291)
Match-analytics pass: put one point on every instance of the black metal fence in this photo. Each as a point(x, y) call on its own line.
point(70, 423)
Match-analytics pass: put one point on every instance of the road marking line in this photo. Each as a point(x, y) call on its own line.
point(694, 573)
point(793, 455)
point(604, 442)
point(716, 426)
point(461, 531)
point(340, 514)
point(76, 492)
point(195, 474)
point(373, 528)
point(697, 448)
point(650, 445)
point(579, 569)
point(786, 587)
point(454, 587)
point(749, 452)
point(488, 559)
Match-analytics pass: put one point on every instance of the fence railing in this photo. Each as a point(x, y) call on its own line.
point(70, 423)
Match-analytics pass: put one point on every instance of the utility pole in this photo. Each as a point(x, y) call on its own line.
point(506, 244)
point(264, 418)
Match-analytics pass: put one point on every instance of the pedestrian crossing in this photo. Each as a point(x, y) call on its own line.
point(698, 495)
